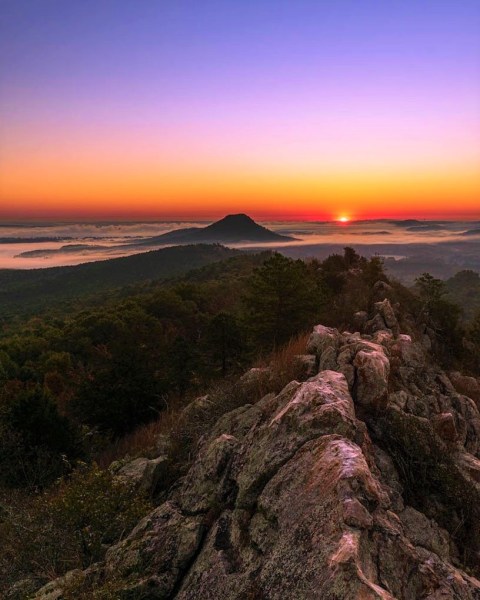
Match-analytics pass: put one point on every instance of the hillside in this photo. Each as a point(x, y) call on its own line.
point(357, 479)
point(206, 437)
point(231, 229)
point(24, 291)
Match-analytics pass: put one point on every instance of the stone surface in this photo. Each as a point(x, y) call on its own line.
point(360, 483)
point(306, 365)
point(144, 473)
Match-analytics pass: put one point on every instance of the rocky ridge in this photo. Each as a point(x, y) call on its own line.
point(361, 481)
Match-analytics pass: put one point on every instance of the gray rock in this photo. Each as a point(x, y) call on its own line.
point(144, 473)
point(306, 365)
point(385, 309)
point(290, 498)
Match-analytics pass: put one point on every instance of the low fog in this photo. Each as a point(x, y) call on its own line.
point(410, 247)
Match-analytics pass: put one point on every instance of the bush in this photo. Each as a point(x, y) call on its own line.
point(67, 528)
point(37, 442)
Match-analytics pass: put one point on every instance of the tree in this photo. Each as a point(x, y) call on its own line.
point(281, 300)
point(225, 339)
point(36, 439)
point(125, 391)
point(430, 289)
point(183, 361)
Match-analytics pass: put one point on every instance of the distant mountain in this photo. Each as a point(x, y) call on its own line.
point(231, 229)
point(428, 227)
point(23, 291)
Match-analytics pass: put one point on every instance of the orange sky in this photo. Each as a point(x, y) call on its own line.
point(172, 110)
point(141, 187)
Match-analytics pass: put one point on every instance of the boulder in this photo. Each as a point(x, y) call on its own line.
point(385, 309)
point(372, 372)
point(306, 364)
point(145, 474)
point(469, 386)
point(256, 376)
point(444, 426)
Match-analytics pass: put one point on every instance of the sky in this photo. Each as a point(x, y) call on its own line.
point(282, 109)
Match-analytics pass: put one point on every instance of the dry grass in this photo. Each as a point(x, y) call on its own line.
point(143, 441)
point(183, 428)
point(282, 362)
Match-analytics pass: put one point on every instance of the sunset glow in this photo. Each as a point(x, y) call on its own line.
point(184, 110)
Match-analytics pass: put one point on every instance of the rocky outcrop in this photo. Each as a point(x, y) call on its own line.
point(143, 473)
point(361, 482)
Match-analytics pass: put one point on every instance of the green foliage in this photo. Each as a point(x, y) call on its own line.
point(280, 300)
point(430, 289)
point(67, 527)
point(464, 289)
point(36, 440)
point(115, 366)
point(442, 316)
point(28, 291)
point(226, 341)
point(474, 330)
point(347, 283)
point(119, 397)
point(473, 343)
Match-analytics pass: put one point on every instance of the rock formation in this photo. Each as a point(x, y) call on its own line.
point(360, 482)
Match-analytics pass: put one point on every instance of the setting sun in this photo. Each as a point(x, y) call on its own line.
point(343, 219)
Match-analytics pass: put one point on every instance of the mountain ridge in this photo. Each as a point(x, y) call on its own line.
point(31, 288)
point(358, 479)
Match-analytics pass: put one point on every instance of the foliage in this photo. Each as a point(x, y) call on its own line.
point(116, 366)
point(280, 300)
point(430, 289)
point(442, 316)
point(117, 379)
point(464, 289)
point(28, 291)
point(36, 440)
point(67, 527)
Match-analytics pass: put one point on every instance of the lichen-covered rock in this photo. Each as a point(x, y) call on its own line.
point(55, 589)
point(256, 376)
point(360, 483)
point(321, 339)
point(385, 309)
point(145, 474)
point(372, 372)
point(470, 386)
point(306, 365)
point(209, 482)
point(158, 550)
point(424, 532)
point(24, 588)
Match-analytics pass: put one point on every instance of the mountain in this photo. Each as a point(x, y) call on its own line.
point(231, 229)
point(358, 479)
point(34, 289)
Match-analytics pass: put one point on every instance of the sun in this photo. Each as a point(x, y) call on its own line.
point(343, 219)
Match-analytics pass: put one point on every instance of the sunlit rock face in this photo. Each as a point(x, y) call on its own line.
point(360, 482)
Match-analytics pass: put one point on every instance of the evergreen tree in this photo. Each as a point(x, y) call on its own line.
point(281, 300)
point(225, 339)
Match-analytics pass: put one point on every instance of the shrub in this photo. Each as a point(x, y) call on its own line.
point(37, 442)
point(67, 528)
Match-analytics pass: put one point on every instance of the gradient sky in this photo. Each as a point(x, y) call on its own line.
point(284, 109)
